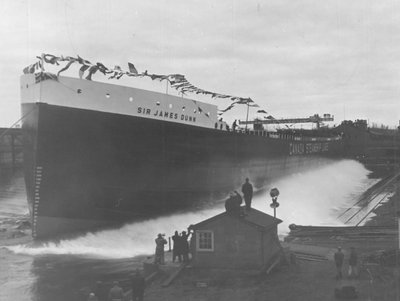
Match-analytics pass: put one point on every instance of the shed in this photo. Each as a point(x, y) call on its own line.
point(229, 240)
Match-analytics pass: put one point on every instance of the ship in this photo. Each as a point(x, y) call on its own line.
point(377, 148)
point(97, 155)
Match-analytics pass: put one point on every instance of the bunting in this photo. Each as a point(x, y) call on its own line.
point(176, 81)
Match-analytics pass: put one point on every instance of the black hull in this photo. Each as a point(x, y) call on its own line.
point(86, 169)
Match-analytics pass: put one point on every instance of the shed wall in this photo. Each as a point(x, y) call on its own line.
point(236, 245)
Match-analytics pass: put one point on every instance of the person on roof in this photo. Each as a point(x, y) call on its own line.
point(232, 204)
point(247, 190)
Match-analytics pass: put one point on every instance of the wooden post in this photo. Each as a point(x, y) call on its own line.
point(398, 223)
point(247, 115)
point(13, 150)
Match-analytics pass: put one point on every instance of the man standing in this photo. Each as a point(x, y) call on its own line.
point(185, 245)
point(247, 190)
point(138, 285)
point(177, 249)
point(100, 291)
point(159, 256)
point(339, 256)
point(353, 263)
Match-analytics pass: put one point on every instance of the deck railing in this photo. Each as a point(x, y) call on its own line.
point(284, 136)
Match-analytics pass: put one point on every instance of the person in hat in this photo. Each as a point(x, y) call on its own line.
point(353, 263)
point(232, 204)
point(185, 245)
point(116, 292)
point(159, 256)
point(339, 257)
point(247, 190)
point(177, 248)
point(100, 291)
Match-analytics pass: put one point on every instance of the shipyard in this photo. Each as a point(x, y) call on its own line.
point(222, 150)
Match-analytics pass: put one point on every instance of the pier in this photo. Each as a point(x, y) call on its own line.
point(11, 154)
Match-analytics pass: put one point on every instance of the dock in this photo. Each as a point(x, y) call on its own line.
point(11, 151)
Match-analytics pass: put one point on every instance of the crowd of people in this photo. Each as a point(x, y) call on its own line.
point(235, 200)
point(180, 250)
point(180, 253)
point(181, 247)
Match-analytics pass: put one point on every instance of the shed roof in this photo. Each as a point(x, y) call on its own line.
point(252, 217)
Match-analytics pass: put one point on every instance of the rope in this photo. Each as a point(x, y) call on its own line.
point(15, 123)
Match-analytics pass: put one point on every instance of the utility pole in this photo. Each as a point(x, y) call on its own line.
point(247, 115)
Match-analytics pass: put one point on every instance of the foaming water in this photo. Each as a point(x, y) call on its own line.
point(315, 197)
point(309, 198)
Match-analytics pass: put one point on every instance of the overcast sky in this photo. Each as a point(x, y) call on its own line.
point(293, 58)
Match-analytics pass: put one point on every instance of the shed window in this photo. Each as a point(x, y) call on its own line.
point(205, 240)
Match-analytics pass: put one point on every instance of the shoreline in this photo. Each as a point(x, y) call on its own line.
point(308, 279)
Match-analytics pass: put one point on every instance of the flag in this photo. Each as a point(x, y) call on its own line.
point(26, 70)
point(103, 69)
point(117, 72)
point(83, 61)
point(270, 117)
point(92, 70)
point(82, 70)
point(66, 67)
point(262, 111)
point(132, 68)
point(228, 108)
point(50, 59)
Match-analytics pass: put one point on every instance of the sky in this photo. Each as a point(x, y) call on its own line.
point(293, 58)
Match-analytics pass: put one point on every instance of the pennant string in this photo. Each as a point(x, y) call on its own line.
point(176, 81)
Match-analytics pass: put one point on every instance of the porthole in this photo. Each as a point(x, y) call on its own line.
point(157, 103)
point(107, 95)
point(131, 99)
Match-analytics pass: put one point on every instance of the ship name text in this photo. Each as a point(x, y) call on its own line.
point(165, 114)
point(308, 148)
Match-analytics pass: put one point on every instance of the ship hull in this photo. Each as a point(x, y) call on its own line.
point(86, 169)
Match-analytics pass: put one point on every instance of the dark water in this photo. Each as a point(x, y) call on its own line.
point(44, 276)
point(68, 269)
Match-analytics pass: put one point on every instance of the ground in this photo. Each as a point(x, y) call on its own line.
point(304, 280)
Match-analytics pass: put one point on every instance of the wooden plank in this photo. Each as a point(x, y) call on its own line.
point(174, 275)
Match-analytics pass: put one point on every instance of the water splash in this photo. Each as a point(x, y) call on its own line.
point(308, 198)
